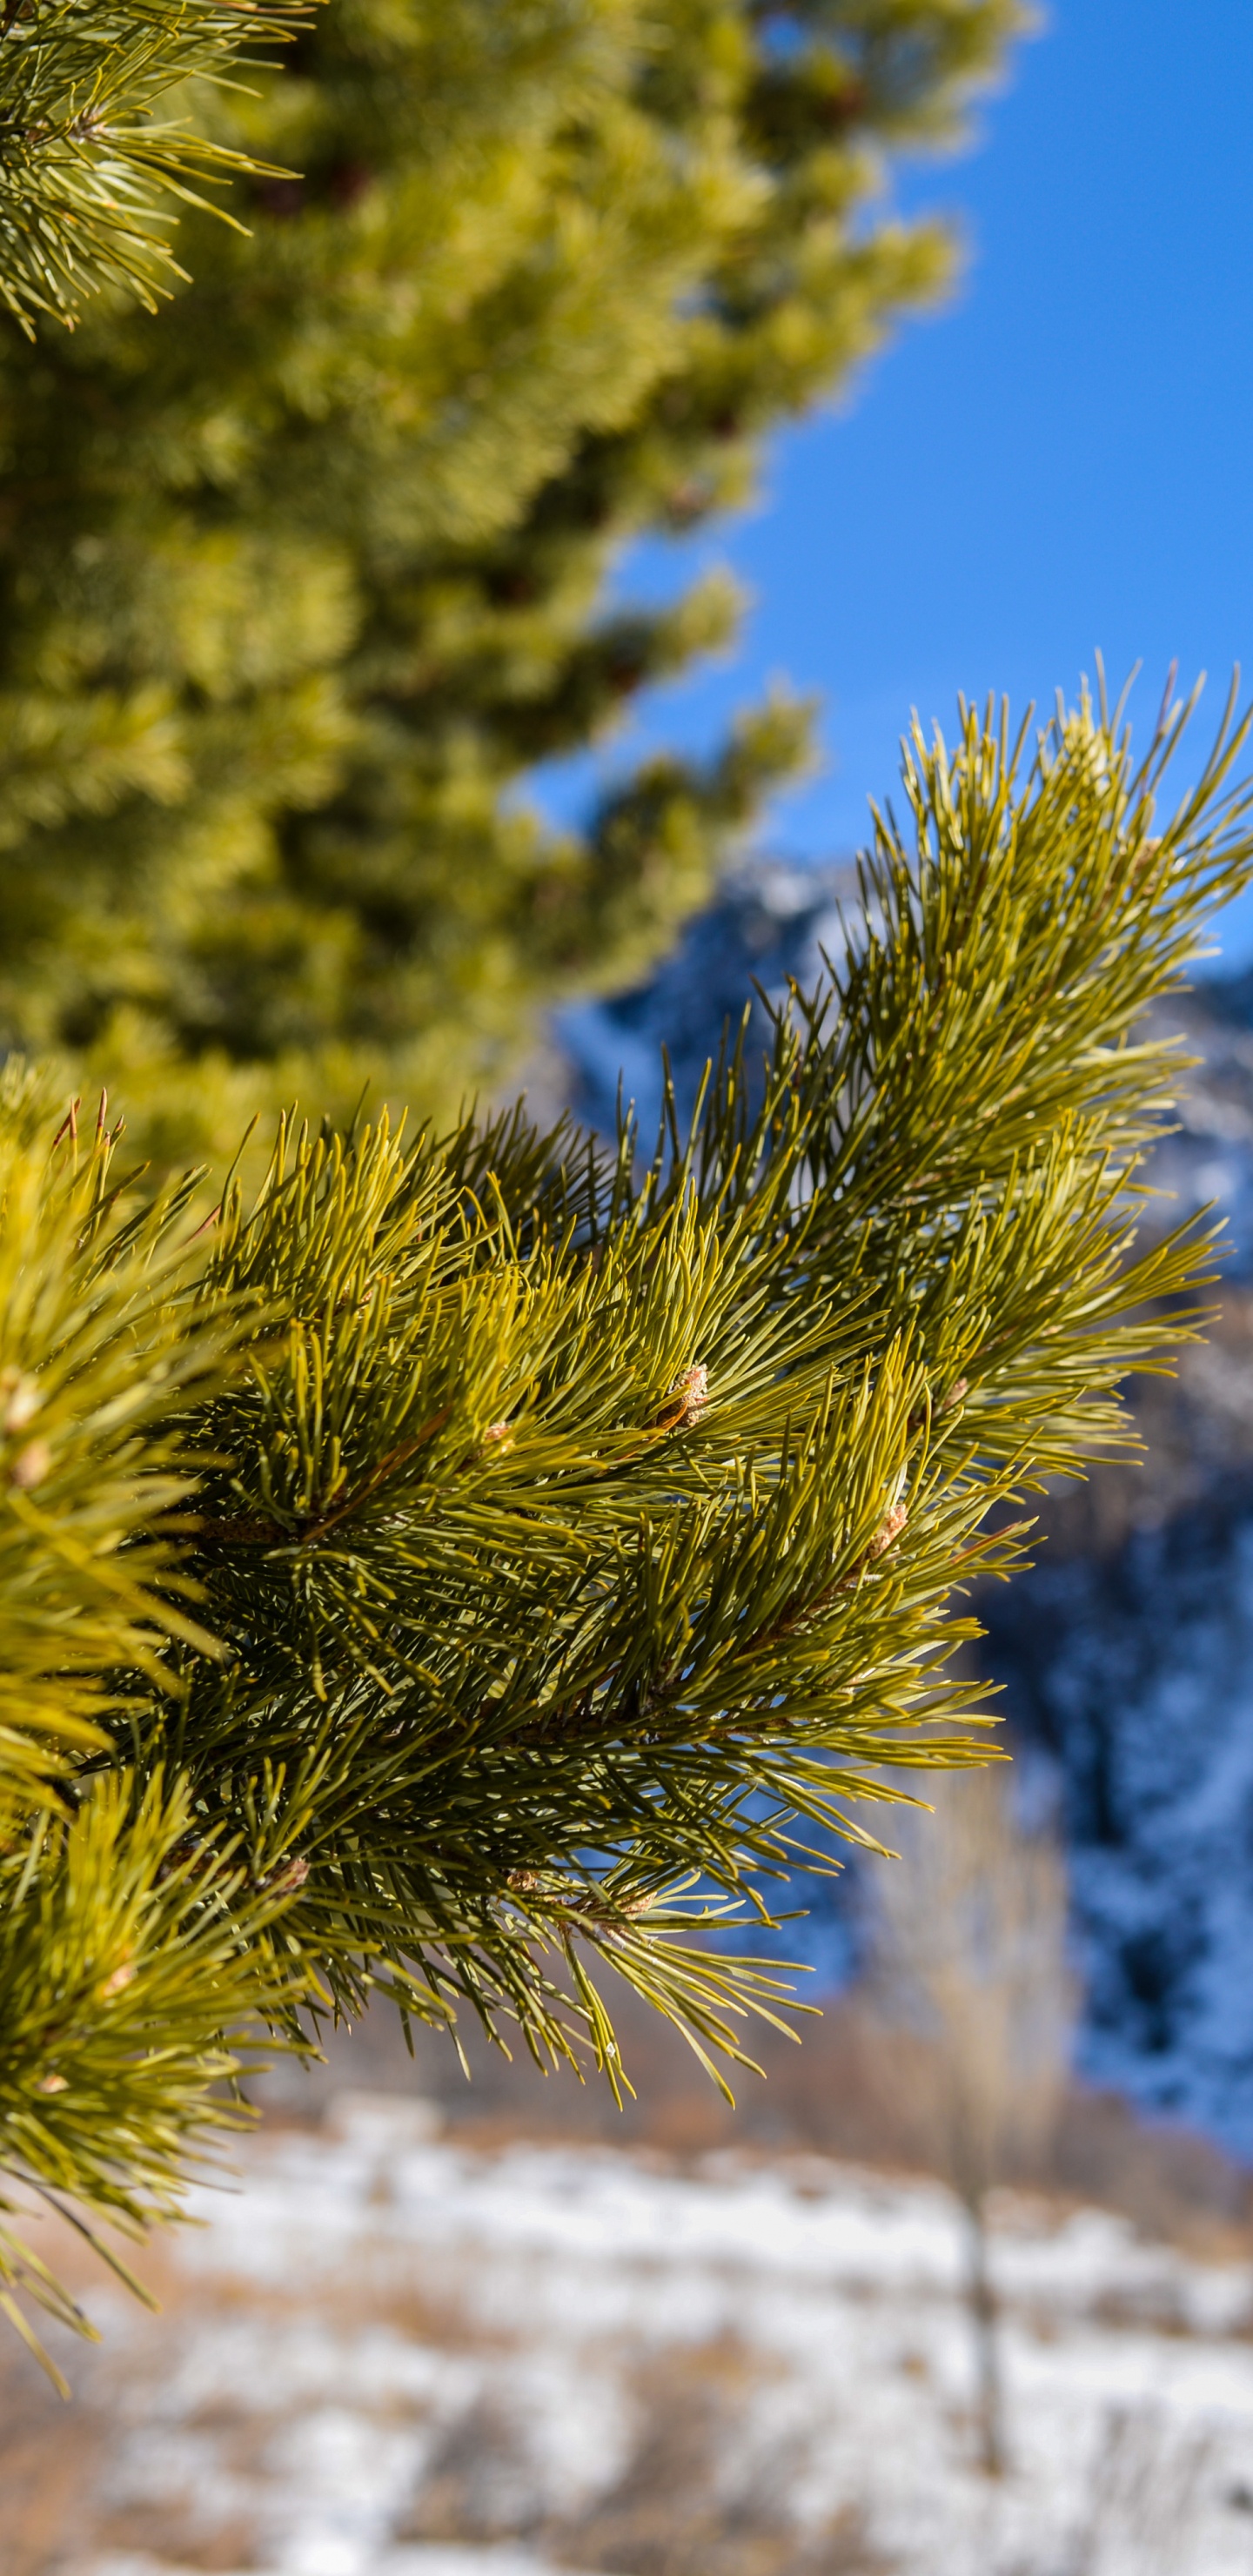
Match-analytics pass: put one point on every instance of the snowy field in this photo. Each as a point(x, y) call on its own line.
point(388, 2353)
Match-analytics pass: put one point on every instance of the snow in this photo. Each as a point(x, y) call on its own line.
point(1146, 1690)
point(374, 2307)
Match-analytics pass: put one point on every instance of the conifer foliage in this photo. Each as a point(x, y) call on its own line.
point(469, 1570)
point(301, 577)
point(97, 157)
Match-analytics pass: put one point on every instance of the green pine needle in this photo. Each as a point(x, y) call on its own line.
point(91, 173)
point(580, 1541)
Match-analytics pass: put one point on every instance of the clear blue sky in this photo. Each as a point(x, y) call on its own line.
point(1059, 461)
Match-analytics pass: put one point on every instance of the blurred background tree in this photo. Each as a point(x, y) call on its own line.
point(969, 1958)
point(300, 581)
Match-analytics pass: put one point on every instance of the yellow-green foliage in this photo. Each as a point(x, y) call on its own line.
point(575, 1541)
point(97, 159)
point(130, 1957)
point(301, 577)
point(99, 1350)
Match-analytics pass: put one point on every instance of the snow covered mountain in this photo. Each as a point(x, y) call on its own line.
point(771, 923)
point(1127, 1655)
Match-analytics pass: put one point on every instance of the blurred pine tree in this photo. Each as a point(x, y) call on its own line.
point(299, 580)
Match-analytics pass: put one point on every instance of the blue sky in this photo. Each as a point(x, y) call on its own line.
point(1059, 461)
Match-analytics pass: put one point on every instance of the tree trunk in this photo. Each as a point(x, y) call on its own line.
point(990, 2403)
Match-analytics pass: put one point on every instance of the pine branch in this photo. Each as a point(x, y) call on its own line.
point(580, 1542)
point(91, 173)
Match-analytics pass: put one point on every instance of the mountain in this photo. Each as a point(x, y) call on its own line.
point(771, 923)
point(1126, 1656)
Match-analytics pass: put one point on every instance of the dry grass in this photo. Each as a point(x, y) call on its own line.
point(672, 2510)
point(1145, 2492)
point(52, 2451)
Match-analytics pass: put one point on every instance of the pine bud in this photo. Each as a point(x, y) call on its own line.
point(890, 1528)
point(284, 1881)
point(686, 1401)
point(20, 1399)
point(31, 1465)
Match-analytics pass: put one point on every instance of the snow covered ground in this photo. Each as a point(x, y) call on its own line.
point(391, 2353)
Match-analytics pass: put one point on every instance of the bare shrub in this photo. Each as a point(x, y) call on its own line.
point(692, 2498)
point(970, 1979)
point(686, 2503)
point(1146, 2489)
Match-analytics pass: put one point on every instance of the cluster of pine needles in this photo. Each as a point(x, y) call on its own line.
point(470, 1569)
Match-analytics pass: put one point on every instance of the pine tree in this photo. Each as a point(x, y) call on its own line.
point(302, 577)
point(95, 164)
point(467, 1571)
